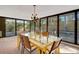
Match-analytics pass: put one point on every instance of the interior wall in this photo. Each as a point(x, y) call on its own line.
point(2, 27)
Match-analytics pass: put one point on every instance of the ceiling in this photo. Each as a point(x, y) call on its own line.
point(25, 11)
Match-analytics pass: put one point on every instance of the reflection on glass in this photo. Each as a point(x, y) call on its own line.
point(66, 27)
point(20, 26)
point(52, 25)
point(27, 26)
point(10, 27)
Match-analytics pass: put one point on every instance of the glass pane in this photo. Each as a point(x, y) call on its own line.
point(44, 29)
point(43, 25)
point(32, 26)
point(27, 26)
point(32, 33)
point(52, 25)
point(37, 29)
point(20, 26)
point(0, 34)
point(66, 27)
point(78, 27)
point(10, 27)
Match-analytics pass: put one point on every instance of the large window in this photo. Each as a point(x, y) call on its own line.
point(0, 34)
point(37, 27)
point(52, 25)
point(66, 27)
point(44, 25)
point(10, 27)
point(32, 26)
point(78, 28)
point(20, 26)
point(27, 26)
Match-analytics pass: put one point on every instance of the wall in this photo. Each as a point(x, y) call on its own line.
point(2, 26)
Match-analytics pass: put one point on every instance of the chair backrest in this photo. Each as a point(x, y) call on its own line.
point(45, 33)
point(38, 33)
point(26, 42)
point(21, 37)
point(52, 47)
point(18, 40)
point(55, 45)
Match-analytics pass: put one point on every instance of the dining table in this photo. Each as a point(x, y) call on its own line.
point(41, 42)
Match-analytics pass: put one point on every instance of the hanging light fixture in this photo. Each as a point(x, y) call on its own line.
point(34, 16)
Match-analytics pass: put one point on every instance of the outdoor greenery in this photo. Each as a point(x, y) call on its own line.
point(32, 26)
point(66, 22)
point(27, 26)
point(43, 25)
point(66, 26)
point(52, 25)
point(19, 25)
point(10, 25)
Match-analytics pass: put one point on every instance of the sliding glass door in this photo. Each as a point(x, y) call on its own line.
point(27, 26)
point(37, 27)
point(20, 26)
point(10, 27)
point(66, 27)
point(32, 26)
point(44, 25)
point(44, 29)
point(52, 25)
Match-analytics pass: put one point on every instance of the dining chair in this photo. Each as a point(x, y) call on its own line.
point(37, 35)
point(18, 41)
point(44, 35)
point(54, 46)
point(27, 45)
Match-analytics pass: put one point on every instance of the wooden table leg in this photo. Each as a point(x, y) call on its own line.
point(41, 51)
point(44, 50)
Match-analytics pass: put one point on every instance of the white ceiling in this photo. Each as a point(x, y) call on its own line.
point(25, 11)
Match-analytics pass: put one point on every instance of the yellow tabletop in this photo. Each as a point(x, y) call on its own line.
point(41, 46)
point(39, 43)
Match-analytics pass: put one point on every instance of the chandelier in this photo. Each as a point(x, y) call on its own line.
point(34, 16)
